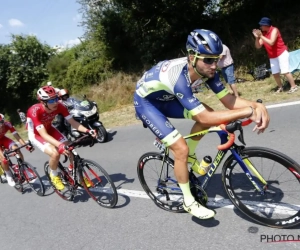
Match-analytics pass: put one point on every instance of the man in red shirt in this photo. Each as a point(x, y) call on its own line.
point(270, 37)
point(45, 136)
point(7, 143)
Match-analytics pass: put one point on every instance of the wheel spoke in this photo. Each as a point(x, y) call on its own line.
point(278, 205)
point(98, 184)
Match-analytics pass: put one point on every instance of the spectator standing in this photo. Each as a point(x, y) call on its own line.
point(226, 65)
point(270, 37)
point(22, 116)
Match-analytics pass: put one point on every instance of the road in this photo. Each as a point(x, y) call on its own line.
point(32, 222)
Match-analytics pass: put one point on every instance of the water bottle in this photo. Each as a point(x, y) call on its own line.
point(205, 165)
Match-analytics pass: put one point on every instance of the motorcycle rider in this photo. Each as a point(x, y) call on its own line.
point(63, 95)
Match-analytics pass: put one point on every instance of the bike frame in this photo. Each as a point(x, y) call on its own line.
point(244, 163)
point(14, 152)
point(77, 162)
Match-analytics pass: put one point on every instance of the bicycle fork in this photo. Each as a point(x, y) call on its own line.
point(246, 164)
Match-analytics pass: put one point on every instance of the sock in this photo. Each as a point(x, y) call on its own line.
point(187, 195)
point(192, 144)
point(8, 173)
point(53, 172)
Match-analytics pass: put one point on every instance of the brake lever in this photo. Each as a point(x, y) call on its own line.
point(234, 126)
point(241, 136)
point(65, 160)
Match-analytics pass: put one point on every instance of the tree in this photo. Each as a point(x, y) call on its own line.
point(4, 73)
point(139, 32)
point(23, 65)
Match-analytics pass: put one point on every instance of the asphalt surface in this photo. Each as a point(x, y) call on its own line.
point(32, 222)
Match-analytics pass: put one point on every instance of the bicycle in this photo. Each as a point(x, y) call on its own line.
point(86, 174)
point(23, 172)
point(253, 178)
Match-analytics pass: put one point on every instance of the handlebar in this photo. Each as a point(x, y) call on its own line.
point(230, 128)
point(75, 143)
point(12, 152)
point(234, 126)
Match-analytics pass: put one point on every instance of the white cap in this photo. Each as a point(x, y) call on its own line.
point(49, 83)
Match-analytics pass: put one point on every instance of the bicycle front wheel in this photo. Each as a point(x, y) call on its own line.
point(278, 204)
point(33, 179)
point(157, 178)
point(98, 183)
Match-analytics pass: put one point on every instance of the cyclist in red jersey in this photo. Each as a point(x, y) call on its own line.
point(45, 136)
point(7, 143)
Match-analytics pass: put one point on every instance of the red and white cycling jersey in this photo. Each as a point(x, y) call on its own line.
point(7, 126)
point(38, 117)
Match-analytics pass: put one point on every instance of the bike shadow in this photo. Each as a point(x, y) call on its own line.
point(48, 188)
point(121, 180)
point(82, 196)
point(110, 135)
point(216, 190)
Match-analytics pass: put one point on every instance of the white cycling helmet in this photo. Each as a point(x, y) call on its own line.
point(2, 118)
point(46, 93)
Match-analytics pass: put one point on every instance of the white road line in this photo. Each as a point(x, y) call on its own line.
point(219, 202)
point(282, 105)
point(213, 202)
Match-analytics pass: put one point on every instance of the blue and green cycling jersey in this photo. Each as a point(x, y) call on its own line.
point(166, 91)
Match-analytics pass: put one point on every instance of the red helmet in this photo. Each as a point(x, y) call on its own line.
point(63, 92)
point(46, 93)
point(2, 118)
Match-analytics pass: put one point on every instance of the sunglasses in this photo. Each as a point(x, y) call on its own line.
point(208, 60)
point(51, 101)
point(2, 122)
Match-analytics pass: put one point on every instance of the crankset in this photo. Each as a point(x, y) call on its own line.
point(199, 194)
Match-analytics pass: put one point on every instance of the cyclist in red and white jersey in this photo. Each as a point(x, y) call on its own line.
point(8, 143)
point(45, 136)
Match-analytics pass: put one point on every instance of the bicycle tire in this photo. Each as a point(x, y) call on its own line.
point(102, 135)
point(33, 178)
point(67, 193)
point(160, 194)
point(283, 205)
point(100, 183)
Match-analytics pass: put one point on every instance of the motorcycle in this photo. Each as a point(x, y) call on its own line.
point(86, 113)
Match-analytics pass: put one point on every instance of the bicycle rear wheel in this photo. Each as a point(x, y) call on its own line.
point(278, 205)
point(157, 178)
point(97, 183)
point(32, 178)
point(68, 192)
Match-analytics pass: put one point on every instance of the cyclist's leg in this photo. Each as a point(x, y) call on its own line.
point(193, 142)
point(153, 114)
point(61, 137)
point(229, 71)
point(6, 143)
point(52, 152)
point(275, 68)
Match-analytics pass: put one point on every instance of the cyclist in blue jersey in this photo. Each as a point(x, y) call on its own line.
point(166, 90)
